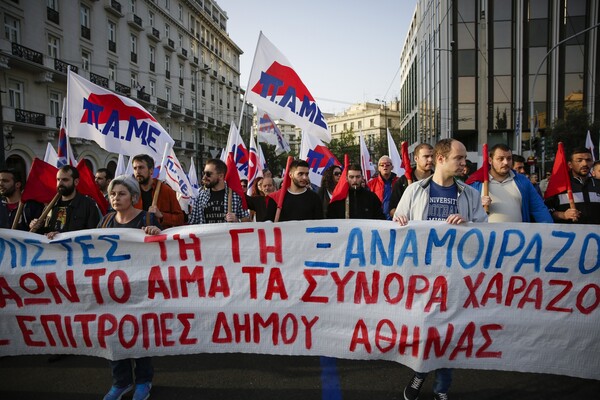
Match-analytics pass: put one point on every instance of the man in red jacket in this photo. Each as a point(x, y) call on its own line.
point(382, 184)
point(167, 209)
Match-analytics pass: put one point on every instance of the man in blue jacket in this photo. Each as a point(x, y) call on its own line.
point(512, 197)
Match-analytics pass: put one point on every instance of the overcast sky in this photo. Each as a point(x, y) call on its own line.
point(345, 51)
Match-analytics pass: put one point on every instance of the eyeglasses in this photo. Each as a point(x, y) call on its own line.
point(208, 174)
point(337, 173)
point(385, 165)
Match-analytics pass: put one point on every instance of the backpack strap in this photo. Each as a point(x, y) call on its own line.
point(108, 219)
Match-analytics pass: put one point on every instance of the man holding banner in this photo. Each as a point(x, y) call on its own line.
point(157, 198)
point(441, 197)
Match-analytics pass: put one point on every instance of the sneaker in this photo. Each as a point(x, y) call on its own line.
point(412, 390)
point(115, 393)
point(440, 396)
point(142, 391)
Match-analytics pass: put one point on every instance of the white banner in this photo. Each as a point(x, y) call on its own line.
point(521, 297)
point(117, 123)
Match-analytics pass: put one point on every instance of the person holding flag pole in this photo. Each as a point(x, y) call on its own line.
point(573, 197)
point(350, 200)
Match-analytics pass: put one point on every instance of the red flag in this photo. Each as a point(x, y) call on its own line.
point(279, 195)
point(87, 186)
point(406, 161)
point(233, 179)
point(560, 181)
point(41, 182)
point(483, 173)
point(341, 189)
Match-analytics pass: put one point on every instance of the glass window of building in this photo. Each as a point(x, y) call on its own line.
point(112, 71)
point(133, 80)
point(152, 87)
point(538, 9)
point(180, 11)
point(502, 10)
point(168, 94)
point(467, 62)
point(151, 18)
point(12, 29)
point(466, 10)
point(15, 93)
point(52, 4)
point(167, 31)
point(84, 16)
point(132, 5)
point(85, 60)
point(53, 47)
point(55, 104)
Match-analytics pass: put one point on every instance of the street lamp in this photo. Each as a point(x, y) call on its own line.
point(384, 116)
point(519, 144)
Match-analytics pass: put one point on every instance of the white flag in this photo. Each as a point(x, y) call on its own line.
point(394, 155)
point(193, 177)
point(121, 166)
point(174, 175)
point(235, 146)
point(276, 88)
point(51, 157)
point(117, 123)
point(318, 157)
point(269, 132)
point(590, 145)
point(365, 160)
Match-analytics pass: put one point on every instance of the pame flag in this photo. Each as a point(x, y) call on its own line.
point(366, 164)
point(117, 123)
point(65, 152)
point(236, 147)
point(318, 157)
point(276, 88)
point(174, 175)
point(269, 133)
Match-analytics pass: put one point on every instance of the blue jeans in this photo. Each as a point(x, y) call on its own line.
point(443, 379)
point(123, 370)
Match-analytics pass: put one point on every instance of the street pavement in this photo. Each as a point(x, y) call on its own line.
point(263, 377)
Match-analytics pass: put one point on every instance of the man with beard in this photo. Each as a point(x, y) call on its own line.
point(166, 209)
point(210, 207)
point(423, 169)
point(586, 192)
point(382, 184)
point(363, 204)
point(11, 186)
point(300, 203)
point(73, 211)
point(102, 177)
point(512, 197)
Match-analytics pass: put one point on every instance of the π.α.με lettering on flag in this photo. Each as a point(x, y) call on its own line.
point(117, 123)
point(276, 88)
point(174, 175)
point(318, 157)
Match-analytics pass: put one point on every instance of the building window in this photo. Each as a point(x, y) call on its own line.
point(12, 29)
point(181, 100)
point(359, 124)
point(53, 47)
point(151, 18)
point(15, 94)
point(133, 44)
point(152, 87)
point(112, 71)
point(55, 104)
point(112, 36)
point(180, 40)
point(168, 94)
point(132, 5)
point(134, 80)
point(85, 60)
point(52, 4)
point(167, 63)
point(372, 123)
point(84, 16)
point(168, 4)
point(180, 11)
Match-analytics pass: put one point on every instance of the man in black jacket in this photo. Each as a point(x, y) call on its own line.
point(363, 204)
point(73, 211)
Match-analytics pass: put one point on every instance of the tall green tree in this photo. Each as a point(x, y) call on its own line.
point(345, 145)
point(572, 130)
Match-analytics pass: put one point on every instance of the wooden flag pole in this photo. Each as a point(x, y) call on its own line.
point(18, 215)
point(46, 212)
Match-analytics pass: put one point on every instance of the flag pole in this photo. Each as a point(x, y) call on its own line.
point(283, 189)
point(486, 175)
point(46, 212)
point(248, 85)
point(18, 215)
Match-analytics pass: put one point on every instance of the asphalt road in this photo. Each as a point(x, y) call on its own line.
point(262, 377)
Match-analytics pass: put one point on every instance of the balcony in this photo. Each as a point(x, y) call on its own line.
point(86, 33)
point(27, 53)
point(205, 69)
point(168, 74)
point(152, 67)
point(194, 61)
point(214, 74)
point(162, 103)
point(180, 81)
point(58, 121)
point(153, 33)
point(112, 46)
point(171, 44)
point(189, 112)
point(99, 80)
point(190, 146)
point(64, 67)
point(122, 89)
point(113, 7)
point(135, 22)
point(143, 96)
point(52, 15)
point(176, 107)
point(134, 57)
point(30, 117)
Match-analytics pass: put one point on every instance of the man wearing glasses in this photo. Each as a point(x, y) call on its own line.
point(210, 207)
point(382, 184)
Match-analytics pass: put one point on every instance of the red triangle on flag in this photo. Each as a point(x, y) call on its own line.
point(88, 187)
point(41, 182)
point(233, 179)
point(341, 189)
point(560, 180)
